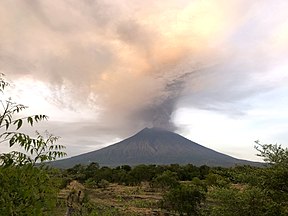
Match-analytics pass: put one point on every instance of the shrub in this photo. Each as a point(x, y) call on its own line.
point(184, 199)
point(103, 184)
point(27, 190)
point(250, 201)
point(166, 180)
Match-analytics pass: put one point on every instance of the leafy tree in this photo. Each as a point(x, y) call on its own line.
point(166, 180)
point(188, 172)
point(39, 149)
point(25, 189)
point(243, 174)
point(204, 171)
point(216, 180)
point(77, 172)
point(184, 199)
point(104, 173)
point(143, 173)
point(250, 201)
point(91, 170)
point(263, 191)
point(273, 154)
point(42, 147)
point(127, 168)
point(274, 178)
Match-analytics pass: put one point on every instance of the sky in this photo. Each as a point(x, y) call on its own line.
point(214, 71)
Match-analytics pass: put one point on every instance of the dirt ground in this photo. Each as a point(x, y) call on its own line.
point(117, 199)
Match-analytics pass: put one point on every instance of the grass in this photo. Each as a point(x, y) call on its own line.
point(114, 200)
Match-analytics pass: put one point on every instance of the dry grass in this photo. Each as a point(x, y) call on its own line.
point(129, 200)
point(122, 200)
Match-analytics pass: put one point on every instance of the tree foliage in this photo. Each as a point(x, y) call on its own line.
point(258, 191)
point(242, 202)
point(166, 180)
point(274, 178)
point(184, 199)
point(25, 189)
point(273, 154)
point(34, 149)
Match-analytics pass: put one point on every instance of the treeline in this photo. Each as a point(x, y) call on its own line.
point(128, 175)
point(186, 189)
point(214, 191)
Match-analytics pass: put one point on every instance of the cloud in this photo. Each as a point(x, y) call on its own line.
point(135, 62)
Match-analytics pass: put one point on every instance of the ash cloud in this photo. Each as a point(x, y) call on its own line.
point(135, 62)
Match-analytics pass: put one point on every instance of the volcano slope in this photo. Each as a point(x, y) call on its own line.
point(154, 146)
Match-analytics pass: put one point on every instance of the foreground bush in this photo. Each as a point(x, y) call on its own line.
point(248, 201)
point(24, 188)
point(27, 190)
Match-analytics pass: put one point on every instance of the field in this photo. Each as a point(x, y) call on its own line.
point(114, 199)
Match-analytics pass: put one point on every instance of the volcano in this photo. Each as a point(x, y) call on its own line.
point(154, 146)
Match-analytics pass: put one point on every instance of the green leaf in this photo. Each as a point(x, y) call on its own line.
point(30, 120)
point(11, 142)
point(7, 124)
point(36, 118)
point(20, 122)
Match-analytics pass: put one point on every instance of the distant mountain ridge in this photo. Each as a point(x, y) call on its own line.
point(154, 146)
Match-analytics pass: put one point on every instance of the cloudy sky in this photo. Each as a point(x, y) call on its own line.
point(214, 71)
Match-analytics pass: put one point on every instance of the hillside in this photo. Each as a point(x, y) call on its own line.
point(153, 146)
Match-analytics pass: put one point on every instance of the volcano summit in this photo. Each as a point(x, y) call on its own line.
point(154, 146)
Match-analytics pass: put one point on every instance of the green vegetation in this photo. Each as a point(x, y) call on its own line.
point(191, 190)
point(166, 180)
point(26, 189)
point(184, 199)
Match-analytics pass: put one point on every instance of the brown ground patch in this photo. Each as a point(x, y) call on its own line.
point(125, 200)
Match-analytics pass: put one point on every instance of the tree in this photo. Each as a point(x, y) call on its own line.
point(264, 191)
point(273, 154)
point(274, 178)
point(43, 147)
point(184, 199)
point(166, 180)
point(39, 149)
point(216, 180)
point(241, 202)
point(91, 170)
point(142, 173)
point(25, 189)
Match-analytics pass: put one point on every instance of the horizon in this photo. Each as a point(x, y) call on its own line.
point(213, 71)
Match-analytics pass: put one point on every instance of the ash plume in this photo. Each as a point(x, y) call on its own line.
point(134, 62)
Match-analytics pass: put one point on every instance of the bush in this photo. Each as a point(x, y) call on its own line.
point(103, 184)
point(90, 183)
point(184, 199)
point(27, 190)
point(166, 180)
point(216, 180)
point(250, 201)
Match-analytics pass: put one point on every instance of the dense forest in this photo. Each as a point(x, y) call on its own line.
point(29, 187)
